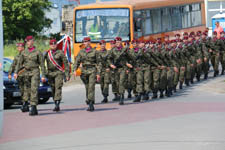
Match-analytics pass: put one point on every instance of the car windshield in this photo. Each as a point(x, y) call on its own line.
point(6, 65)
point(102, 24)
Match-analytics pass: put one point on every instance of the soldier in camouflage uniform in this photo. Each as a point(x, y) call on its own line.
point(90, 70)
point(20, 78)
point(31, 59)
point(119, 62)
point(215, 53)
point(131, 76)
point(113, 77)
point(105, 71)
point(55, 59)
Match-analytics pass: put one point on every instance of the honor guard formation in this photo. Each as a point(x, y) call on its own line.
point(158, 66)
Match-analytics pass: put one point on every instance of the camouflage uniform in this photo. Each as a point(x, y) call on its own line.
point(30, 60)
point(89, 59)
point(222, 55)
point(214, 46)
point(20, 78)
point(54, 75)
point(105, 73)
point(118, 56)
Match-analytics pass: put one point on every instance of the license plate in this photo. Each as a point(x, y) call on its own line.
point(49, 90)
point(16, 94)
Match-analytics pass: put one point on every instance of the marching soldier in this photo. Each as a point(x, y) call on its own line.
point(222, 52)
point(119, 62)
point(113, 78)
point(31, 59)
point(90, 70)
point(105, 71)
point(20, 78)
point(55, 73)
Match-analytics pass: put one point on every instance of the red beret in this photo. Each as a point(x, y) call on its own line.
point(52, 41)
point(118, 39)
point(134, 41)
point(20, 44)
point(222, 32)
point(102, 42)
point(177, 35)
point(185, 33)
point(113, 42)
point(29, 38)
point(205, 33)
point(214, 32)
point(192, 33)
point(86, 39)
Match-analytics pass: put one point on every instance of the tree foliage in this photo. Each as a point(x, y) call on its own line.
point(24, 17)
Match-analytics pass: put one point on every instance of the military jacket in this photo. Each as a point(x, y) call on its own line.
point(119, 57)
point(13, 65)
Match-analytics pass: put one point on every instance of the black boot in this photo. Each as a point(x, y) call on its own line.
point(129, 93)
point(187, 82)
point(216, 73)
point(222, 73)
point(192, 81)
point(25, 107)
point(91, 106)
point(206, 76)
point(198, 78)
point(155, 95)
point(33, 110)
point(57, 108)
point(138, 98)
point(145, 96)
point(121, 100)
point(105, 100)
point(116, 97)
point(175, 88)
point(181, 85)
point(168, 93)
point(161, 93)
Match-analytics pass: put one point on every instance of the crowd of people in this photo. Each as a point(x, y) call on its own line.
point(158, 66)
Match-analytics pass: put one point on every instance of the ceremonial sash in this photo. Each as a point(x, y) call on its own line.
point(54, 62)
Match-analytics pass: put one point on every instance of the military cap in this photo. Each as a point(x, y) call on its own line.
point(29, 38)
point(192, 33)
point(134, 41)
point(86, 39)
point(205, 33)
point(118, 39)
point(52, 41)
point(185, 33)
point(20, 44)
point(113, 42)
point(102, 42)
point(177, 35)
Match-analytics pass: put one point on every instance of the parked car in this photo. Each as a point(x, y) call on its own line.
point(12, 92)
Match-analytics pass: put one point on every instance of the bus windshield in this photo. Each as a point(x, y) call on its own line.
point(102, 24)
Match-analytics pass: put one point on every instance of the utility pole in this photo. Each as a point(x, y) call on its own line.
point(1, 70)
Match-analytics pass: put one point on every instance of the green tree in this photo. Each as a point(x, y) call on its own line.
point(24, 17)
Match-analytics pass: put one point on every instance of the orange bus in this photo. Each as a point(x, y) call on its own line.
point(136, 19)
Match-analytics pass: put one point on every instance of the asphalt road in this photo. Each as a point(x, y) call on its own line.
point(194, 118)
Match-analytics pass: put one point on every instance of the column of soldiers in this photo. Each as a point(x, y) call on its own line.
point(158, 67)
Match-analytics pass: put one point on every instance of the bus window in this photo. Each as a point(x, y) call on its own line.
point(156, 20)
point(186, 16)
point(166, 20)
point(102, 24)
point(176, 18)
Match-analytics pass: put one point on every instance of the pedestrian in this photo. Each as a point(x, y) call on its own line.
point(218, 29)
